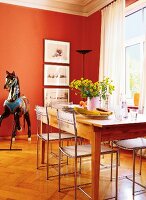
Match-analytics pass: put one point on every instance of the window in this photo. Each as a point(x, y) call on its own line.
point(133, 59)
point(133, 25)
point(134, 45)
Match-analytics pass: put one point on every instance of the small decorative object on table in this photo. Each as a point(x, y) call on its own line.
point(93, 91)
point(136, 98)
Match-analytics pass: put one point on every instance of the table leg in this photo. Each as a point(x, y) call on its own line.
point(96, 146)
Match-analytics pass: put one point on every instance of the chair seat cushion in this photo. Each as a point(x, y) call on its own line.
point(82, 150)
point(107, 150)
point(130, 144)
point(55, 136)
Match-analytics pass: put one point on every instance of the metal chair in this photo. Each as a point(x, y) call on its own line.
point(46, 136)
point(67, 123)
point(133, 145)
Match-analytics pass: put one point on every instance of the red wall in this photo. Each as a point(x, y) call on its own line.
point(129, 2)
point(91, 41)
point(21, 49)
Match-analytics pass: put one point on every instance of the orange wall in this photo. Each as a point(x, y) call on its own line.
point(129, 2)
point(91, 41)
point(21, 49)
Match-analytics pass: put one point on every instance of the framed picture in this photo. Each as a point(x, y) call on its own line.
point(52, 95)
point(56, 75)
point(56, 51)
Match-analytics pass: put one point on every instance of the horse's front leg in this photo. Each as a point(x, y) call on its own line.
point(17, 120)
point(14, 131)
point(5, 114)
point(16, 125)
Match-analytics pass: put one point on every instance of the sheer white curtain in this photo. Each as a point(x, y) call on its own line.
point(112, 47)
point(142, 106)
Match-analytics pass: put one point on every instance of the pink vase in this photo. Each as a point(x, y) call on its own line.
point(92, 103)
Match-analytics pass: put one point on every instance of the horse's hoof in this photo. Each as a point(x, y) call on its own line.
point(13, 139)
point(19, 130)
point(29, 139)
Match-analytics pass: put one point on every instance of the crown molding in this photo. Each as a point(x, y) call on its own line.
point(75, 7)
point(94, 6)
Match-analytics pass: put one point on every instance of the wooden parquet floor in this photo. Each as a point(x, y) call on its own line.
point(20, 180)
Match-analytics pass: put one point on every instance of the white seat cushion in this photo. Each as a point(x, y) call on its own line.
point(130, 144)
point(55, 136)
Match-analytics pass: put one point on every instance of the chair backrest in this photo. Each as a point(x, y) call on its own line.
point(59, 104)
point(67, 122)
point(42, 119)
point(42, 114)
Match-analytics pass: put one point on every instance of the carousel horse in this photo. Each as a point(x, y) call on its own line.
point(15, 104)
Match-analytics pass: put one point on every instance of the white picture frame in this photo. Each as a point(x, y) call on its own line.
point(56, 75)
point(56, 51)
point(54, 95)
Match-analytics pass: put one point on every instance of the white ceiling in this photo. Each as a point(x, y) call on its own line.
point(76, 7)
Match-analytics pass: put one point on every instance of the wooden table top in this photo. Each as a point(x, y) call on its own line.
point(111, 121)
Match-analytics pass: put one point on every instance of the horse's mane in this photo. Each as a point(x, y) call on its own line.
point(18, 83)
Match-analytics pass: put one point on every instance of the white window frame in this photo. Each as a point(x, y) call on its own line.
point(137, 40)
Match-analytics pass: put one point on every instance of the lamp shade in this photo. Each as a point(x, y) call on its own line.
point(83, 51)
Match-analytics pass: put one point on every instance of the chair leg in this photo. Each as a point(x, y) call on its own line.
point(47, 159)
point(37, 152)
point(117, 163)
point(118, 153)
point(67, 160)
point(140, 161)
point(75, 179)
point(51, 148)
point(119, 157)
point(80, 160)
point(133, 188)
point(111, 167)
point(59, 173)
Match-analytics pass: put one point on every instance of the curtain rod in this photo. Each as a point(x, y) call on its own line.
point(108, 4)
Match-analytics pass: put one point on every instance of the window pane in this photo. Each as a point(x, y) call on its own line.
point(133, 65)
point(134, 25)
point(144, 16)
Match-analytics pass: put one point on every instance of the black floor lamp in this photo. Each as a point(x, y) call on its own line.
point(83, 52)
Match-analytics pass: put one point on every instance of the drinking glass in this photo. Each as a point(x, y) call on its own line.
point(133, 113)
point(118, 112)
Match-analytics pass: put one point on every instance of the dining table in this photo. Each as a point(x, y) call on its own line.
point(99, 130)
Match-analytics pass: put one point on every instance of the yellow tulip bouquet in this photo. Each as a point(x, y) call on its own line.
point(87, 88)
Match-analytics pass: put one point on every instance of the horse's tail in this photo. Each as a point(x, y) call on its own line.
point(25, 108)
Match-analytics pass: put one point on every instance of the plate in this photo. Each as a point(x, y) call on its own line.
point(67, 109)
point(96, 116)
point(70, 108)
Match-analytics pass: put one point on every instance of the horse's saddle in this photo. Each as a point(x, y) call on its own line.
point(18, 103)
